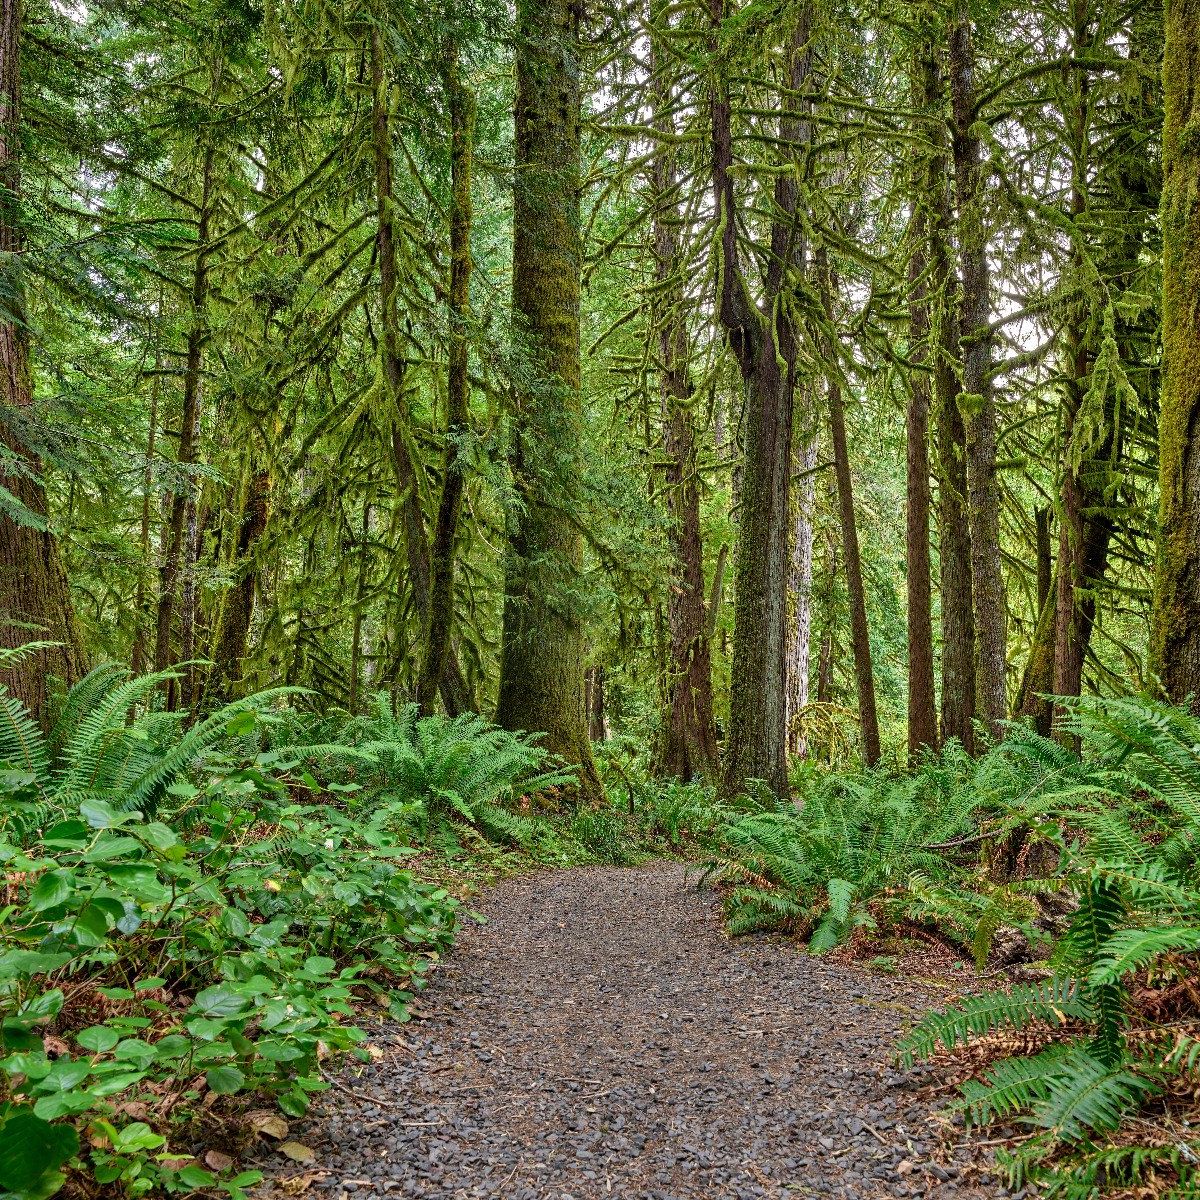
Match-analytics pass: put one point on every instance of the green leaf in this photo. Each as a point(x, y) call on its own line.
point(97, 1039)
point(221, 1001)
point(225, 1080)
point(31, 1148)
point(196, 1177)
point(242, 724)
point(52, 889)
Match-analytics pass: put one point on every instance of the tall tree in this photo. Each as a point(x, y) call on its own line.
point(35, 597)
point(1175, 645)
point(762, 337)
point(978, 400)
point(689, 740)
point(922, 701)
point(541, 656)
point(440, 622)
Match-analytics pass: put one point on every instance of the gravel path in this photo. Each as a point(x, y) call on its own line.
point(600, 1036)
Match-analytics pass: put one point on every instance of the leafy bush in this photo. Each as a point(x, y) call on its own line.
point(1117, 1028)
point(178, 929)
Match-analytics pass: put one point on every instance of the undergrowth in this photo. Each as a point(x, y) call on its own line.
point(1087, 864)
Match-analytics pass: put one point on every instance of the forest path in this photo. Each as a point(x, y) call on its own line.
point(601, 1036)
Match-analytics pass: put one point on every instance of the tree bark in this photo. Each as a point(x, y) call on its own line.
point(35, 597)
point(922, 701)
point(860, 636)
point(233, 627)
point(799, 651)
point(1175, 644)
point(182, 500)
point(763, 342)
point(541, 657)
point(977, 399)
point(440, 623)
point(688, 749)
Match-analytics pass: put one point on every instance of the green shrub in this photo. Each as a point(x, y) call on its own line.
point(429, 770)
point(178, 926)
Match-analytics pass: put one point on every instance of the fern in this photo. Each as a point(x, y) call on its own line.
point(1054, 1001)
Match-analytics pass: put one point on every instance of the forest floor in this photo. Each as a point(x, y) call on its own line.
point(601, 1036)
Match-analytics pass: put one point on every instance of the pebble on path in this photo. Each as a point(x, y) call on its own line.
point(601, 1036)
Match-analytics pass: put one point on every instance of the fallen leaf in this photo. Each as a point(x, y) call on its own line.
point(297, 1152)
point(300, 1183)
point(218, 1161)
point(272, 1124)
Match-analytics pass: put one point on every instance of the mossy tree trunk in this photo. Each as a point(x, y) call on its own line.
point(957, 661)
point(922, 700)
point(763, 340)
point(1175, 642)
point(688, 747)
point(541, 657)
point(440, 622)
point(860, 634)
point(977, 400)
point(35, 598)
point(456, 694)
point(237, 611)
point(176, 559)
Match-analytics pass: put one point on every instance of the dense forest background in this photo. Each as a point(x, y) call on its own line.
point(809, 406)
point(443, 439)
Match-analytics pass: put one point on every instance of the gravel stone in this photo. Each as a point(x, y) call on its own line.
point(602, 1037)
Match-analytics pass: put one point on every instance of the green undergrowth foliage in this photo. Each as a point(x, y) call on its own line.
point(195, 915)
point(1110, 1060)
point(1089, 860)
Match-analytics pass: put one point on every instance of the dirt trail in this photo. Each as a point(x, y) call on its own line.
point(600, 1036)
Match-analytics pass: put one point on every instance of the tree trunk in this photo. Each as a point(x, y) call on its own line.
point(689, 741)
point(1175, 644)
point(233, 627)
point(456, 695)
point(182, 501)
point(978, 400)
point(593, 703)
point(922, 702)
point(763, 342)
point(440, 622)
point(541, 657)
point(800, 587)
point(35, 597)
point(860, 637)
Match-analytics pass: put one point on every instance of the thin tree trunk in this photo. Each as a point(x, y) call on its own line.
point(689, 742)
point(978, 400)
point(456, 695)
point(458, 387)
point(922, 702)
point(541, 658)
point(35, 597)
point(800, 587)
point(189, 424)
point(237, 612)
point(141, 629)
point(860, 637)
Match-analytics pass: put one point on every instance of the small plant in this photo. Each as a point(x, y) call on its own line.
point(178, 929)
